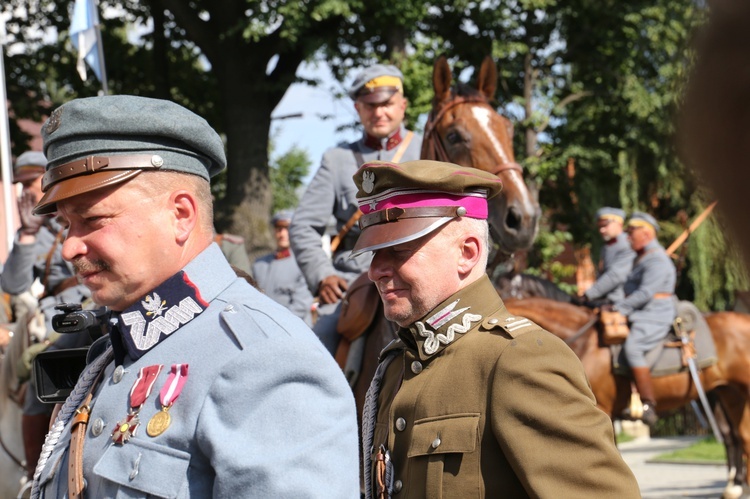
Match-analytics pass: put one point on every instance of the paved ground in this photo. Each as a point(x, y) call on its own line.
point(662, 480)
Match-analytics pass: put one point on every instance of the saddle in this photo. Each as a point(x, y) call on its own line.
point(670, 357)
point(358, 309)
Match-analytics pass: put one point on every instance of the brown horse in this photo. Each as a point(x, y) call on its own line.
point(727, 382)
point(462, 128)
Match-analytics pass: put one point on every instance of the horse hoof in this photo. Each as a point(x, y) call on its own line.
point(732, 492)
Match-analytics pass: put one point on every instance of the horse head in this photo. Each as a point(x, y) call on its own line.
point(463, 128)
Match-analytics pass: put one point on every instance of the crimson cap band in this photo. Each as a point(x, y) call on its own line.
point(97, 142)
point(403, 202)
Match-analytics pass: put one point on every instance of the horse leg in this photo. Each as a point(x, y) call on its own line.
point(729, 409)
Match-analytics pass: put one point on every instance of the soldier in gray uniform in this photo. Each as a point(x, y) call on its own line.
point(615, 259)
point(278, 274)
point(204, 386)
point(379, 100)
point(36, 254)
point(648, 304)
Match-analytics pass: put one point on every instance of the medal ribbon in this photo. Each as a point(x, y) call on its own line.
point(143, 385)
point(173, 387)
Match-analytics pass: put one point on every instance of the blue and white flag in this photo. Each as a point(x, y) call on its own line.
point(84, 37)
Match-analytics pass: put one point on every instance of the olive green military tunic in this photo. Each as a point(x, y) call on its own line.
point(479, 403)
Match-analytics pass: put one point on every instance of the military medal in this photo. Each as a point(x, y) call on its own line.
point(128, 425)
point(168, 394)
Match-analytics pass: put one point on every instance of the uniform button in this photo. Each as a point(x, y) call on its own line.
point(397, 486)
point(436, 443)
point(416, 367)
point(117, 375)
point(493, 321)
point(229, 308)
point(97, 426)
point(400, 424)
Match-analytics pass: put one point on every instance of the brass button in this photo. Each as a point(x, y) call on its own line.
point(416, 367)
point(436, 443)
point(397, 486)
point(400, 424)
point(117, 375)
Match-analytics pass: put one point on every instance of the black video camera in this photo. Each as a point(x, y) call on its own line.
point(56, 370)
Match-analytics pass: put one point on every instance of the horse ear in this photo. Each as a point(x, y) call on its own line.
point(441, 79)
point(487, 82)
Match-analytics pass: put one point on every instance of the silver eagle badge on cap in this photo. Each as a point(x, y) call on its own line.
point(368, 182)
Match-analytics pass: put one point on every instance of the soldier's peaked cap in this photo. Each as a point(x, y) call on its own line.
point(377, 83)
point(403, 202)
point(29, 165)
point(609, 213)
point(640, 219)
point(97, 142)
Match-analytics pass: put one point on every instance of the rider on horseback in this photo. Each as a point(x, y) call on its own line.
point(378, 96)
point(615, 259)
point(648, 304)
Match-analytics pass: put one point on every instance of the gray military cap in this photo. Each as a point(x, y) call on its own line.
point(102, 141)
point(608, 213)
point(283, 218)
point(640, 219)
point(377, 84)
point(29, 166)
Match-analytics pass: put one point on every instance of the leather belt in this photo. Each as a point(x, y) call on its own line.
point(93, 164)
point(394, 214)
point(662, 296)
point(76, 482)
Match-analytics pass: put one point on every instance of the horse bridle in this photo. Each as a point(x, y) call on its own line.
point(436, 148)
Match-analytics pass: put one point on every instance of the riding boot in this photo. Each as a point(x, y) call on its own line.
point(642, 377)
point(34, 428)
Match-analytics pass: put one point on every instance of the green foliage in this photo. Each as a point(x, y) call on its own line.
point(287, 173)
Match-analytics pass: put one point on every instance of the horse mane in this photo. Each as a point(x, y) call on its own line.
point(514, 285)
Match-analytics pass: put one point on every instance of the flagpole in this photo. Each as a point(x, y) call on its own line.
point(100, 50)
point(7, 179)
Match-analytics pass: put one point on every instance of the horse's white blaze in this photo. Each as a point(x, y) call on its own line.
point(524, 196)
point(483, 116)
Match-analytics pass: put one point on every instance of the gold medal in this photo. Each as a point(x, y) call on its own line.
point(159, 423)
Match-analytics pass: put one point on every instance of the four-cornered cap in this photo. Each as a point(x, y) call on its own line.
point(29, 166)
point(403, 202)
point(377, 84)
point(282, 218)
point(640, 219)
point(608, 213)
point(102, 141)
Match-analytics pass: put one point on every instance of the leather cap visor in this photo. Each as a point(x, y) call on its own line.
point(80, 185)
point(403, 230)
point(378, 96)
point(26, 173)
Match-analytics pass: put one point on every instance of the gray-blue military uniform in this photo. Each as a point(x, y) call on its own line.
point(332, 193)
point(290, 425)
point(649, 302)
point(27, 262)
point(616, 260)
point(43, 259)
point(281, 279)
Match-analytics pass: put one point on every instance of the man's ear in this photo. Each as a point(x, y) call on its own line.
point(471, 250)
point(185, 209)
